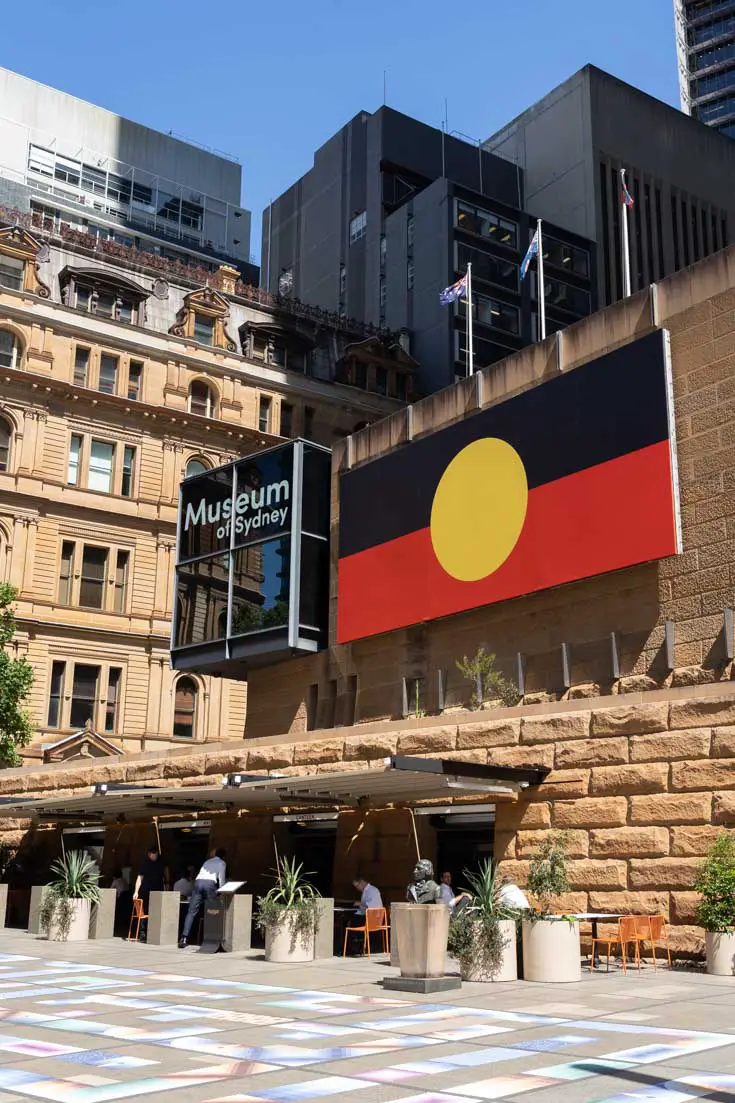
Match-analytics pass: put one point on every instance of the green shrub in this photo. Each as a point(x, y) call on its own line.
point(292, 898)
point(547, 877)
point(475, 937)
point(716, 885)
point(78, 879)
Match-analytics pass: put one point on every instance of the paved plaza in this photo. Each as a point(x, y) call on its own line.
point(91, 1022)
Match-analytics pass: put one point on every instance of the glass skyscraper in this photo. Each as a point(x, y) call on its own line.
point(705, 39)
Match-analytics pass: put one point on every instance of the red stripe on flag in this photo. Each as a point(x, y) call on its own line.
point(601, 519)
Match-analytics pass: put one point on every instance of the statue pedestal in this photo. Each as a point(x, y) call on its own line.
point(419, 932)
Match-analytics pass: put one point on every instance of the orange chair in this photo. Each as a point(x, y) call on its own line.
point(632, 930)
point(659, 932)
point(376, 919)
point(136, 918)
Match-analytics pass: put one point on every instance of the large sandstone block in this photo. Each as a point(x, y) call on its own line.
point(630, 719)
point(555, 728)
point(566, 783)
point(651, 778)
point(144, 771)
point(529, 842)
point(723, 808)
point(687, 941)
point(478, 755)
point(504, 845)
point(629, 842)
point(693, 842)
point(11, 782)
point(569, 903)
point(514, 817)
point(428, 741)
point(723, 743)
point(630, 903)
point(591, 752)
point(224, 762)
point(320, 750)
point(684, 907)
point(190, 765)
point(533, 757)
point(517, 871)
point(668, 808)
point(702, 712)
point(591, 812)
point(703, 775)
point(591, 875)
point(364, 747)
point(663, 873)
point(270, 758)
point(493, 733)
point(668, 746)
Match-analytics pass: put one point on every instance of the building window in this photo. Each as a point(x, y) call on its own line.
point(185, 707)
point(108, 373)
point(285, 282)
point(201, 399)
point(569, 258)
point(128, 472)
point(475, 220)
point(101, 462)
point(409, 275)
point(11, 273)
point(54, 695)
point(491, 312)
point(75, 452)
point(6, 435)
point(195, 467)
point(401, 389)
point(8, 349)
point(361, 376)
point(114, 678)
point(121, 581)
point(65, 572)
point(286, 419)
point(258, 346)
point(83, 695)
point(264, 414)
point(563, 296)
point(308, 422)
point(93, 578)
point(135, 380)
point(81, 367)
point(277, 354)
point(204, 329)
point(358, 227)
point(381, 381)
point(489, 268)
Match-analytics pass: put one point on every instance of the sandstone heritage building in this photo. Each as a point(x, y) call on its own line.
point(627, 677)
point(123, 372)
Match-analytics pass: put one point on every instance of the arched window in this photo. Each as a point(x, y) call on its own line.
point(222, 624)
point(195, 466)
point(6, 435)
point(201, 399)
point(9, 349)
point(185, 708)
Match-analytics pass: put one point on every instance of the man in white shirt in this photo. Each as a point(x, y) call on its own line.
point(209, 879)
point(369, 897)
point(185, 884)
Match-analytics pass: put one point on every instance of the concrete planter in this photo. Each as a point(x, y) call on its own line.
point(420, 933)
point(507, 968)
point(720, 950)
point(79, 926)
point(551, 951)
point(284, 944)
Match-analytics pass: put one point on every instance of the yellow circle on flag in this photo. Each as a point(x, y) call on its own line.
point(479, 508)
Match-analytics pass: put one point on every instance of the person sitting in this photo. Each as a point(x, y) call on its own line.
point(369, 898)
point(211, 877)
point(119, 884)
point(448, 896)
point(185, 883)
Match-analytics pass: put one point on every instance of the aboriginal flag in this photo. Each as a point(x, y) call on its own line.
point(570, 479)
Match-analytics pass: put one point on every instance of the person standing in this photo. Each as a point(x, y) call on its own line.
point(209, 879)
point(151, 878)
point(185, 883)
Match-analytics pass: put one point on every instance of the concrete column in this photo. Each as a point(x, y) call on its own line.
point(238, 924)
point(163, 922)
point(102, 916)
point(3, 904)
point(34, 911)
point(324, 943)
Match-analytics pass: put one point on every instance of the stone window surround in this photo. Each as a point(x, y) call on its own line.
point(96, 352)
point(117, 464)
point(108, 600)
point(100, 701)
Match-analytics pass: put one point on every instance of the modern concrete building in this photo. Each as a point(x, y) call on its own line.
point(390, 213)
point(86, 168)
point(571, 146)
point(705, 45)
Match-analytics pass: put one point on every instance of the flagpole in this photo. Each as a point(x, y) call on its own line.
point(541, 286)
point(470, 350)
point(626, 241)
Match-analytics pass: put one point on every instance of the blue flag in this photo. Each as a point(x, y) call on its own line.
point(458, 290)
point(531, 252)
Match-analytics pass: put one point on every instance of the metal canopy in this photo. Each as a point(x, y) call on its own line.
point(399, 781)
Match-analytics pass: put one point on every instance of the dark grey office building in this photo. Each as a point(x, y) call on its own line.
point(571, 146)
point(390, 213)
point(705, 46)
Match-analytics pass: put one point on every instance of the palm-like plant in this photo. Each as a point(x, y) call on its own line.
point(77, 879)
point(475, 937)
point(292, 899)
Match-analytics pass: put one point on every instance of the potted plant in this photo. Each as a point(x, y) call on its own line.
point(716, 910)
point(288, 914)
point(482, 937)
point(68, 900)
point(551, 949)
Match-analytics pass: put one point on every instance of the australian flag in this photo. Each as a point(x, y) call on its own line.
point(626, 197)
point(458, 290)
point(531, 252)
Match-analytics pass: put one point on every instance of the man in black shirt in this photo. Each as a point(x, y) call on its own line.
point(151, 878)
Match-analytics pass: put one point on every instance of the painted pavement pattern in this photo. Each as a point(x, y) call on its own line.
point(85, 1032)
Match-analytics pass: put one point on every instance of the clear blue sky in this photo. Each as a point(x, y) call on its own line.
point(270, 81)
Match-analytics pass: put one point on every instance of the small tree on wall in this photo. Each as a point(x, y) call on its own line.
point(488, 683)
point(16, 679)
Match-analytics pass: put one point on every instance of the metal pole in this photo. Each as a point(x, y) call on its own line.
point(270, 228)
point(626, 241)
point(470, 349)
point(541, 287)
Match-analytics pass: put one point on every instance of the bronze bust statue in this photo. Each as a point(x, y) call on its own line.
point(423, 889)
